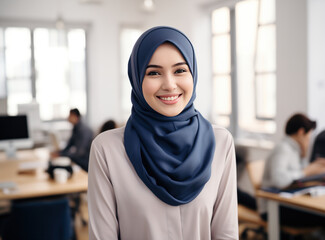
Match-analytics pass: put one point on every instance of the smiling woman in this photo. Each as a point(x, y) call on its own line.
point(168, 174)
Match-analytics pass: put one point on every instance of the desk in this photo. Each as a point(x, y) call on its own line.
point(311, 204)
point(37, 184)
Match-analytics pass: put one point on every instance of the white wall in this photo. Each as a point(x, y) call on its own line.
point(291, 24)
point(300, 61)
point(316, 62)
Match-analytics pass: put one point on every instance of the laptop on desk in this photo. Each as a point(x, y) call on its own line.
point(301, 185)
point(313, 178)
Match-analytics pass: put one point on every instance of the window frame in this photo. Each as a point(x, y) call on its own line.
point(234, 127)
point(32, 25)
point(123, 73)
point(259, 73)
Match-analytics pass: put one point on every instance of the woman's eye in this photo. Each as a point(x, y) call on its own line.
point(181, 70)
point(152, 73)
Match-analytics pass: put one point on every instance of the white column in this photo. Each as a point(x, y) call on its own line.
point(273, 220)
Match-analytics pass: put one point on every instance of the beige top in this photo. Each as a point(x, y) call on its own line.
point(122, 207)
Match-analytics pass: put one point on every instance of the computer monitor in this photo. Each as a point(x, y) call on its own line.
point(14, 134)
point(35, 126)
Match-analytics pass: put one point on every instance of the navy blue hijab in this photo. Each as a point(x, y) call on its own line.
point(171, 155)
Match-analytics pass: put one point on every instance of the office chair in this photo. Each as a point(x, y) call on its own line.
point(39, 219)
point(75, 206)
point(248, 218)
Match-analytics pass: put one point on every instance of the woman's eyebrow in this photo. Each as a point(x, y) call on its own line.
point(180, 63)
point(158, 66)
point(154, 66)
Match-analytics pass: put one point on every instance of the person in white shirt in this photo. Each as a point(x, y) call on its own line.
point(287, 163)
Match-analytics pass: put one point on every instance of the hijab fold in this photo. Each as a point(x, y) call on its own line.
point(171, 155)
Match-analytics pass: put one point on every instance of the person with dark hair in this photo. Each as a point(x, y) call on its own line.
point(168, 174)
point(78, 146)
point(286, 164)
point(299, 121)
point(108, 125)
point(75, 112)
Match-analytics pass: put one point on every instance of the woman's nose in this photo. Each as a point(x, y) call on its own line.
point(169, 82)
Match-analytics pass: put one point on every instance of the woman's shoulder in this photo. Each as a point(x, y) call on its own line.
point(110, 137)
point(223, 138)
point(221, 132)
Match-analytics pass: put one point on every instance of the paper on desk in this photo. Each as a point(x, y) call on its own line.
point(317, 191)
point(312, 191)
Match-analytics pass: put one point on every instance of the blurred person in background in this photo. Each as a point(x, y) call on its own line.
point(287, 163)
point(78, 146)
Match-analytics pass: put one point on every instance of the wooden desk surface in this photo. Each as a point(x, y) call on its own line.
point(37, 183)
point(312, 203)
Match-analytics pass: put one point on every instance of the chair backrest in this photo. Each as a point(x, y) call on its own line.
point(39, 219)
point(255, 170)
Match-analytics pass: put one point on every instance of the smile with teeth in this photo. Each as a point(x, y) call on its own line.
point(169, 98)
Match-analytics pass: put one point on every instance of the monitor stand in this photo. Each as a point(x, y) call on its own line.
point(11, 151)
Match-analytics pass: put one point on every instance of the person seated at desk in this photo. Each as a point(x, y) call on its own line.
point(78, 146)
point(285, 164)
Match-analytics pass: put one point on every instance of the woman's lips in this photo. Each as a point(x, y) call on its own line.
point(169, 99)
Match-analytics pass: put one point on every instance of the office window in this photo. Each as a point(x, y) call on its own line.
point(44, 65)
point(18, 67)
point(244, 67)
point(128, 37)
point(221, 57)
point(2, 66)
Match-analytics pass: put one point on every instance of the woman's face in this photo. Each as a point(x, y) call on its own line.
point(168, 83)
point(303, 140)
